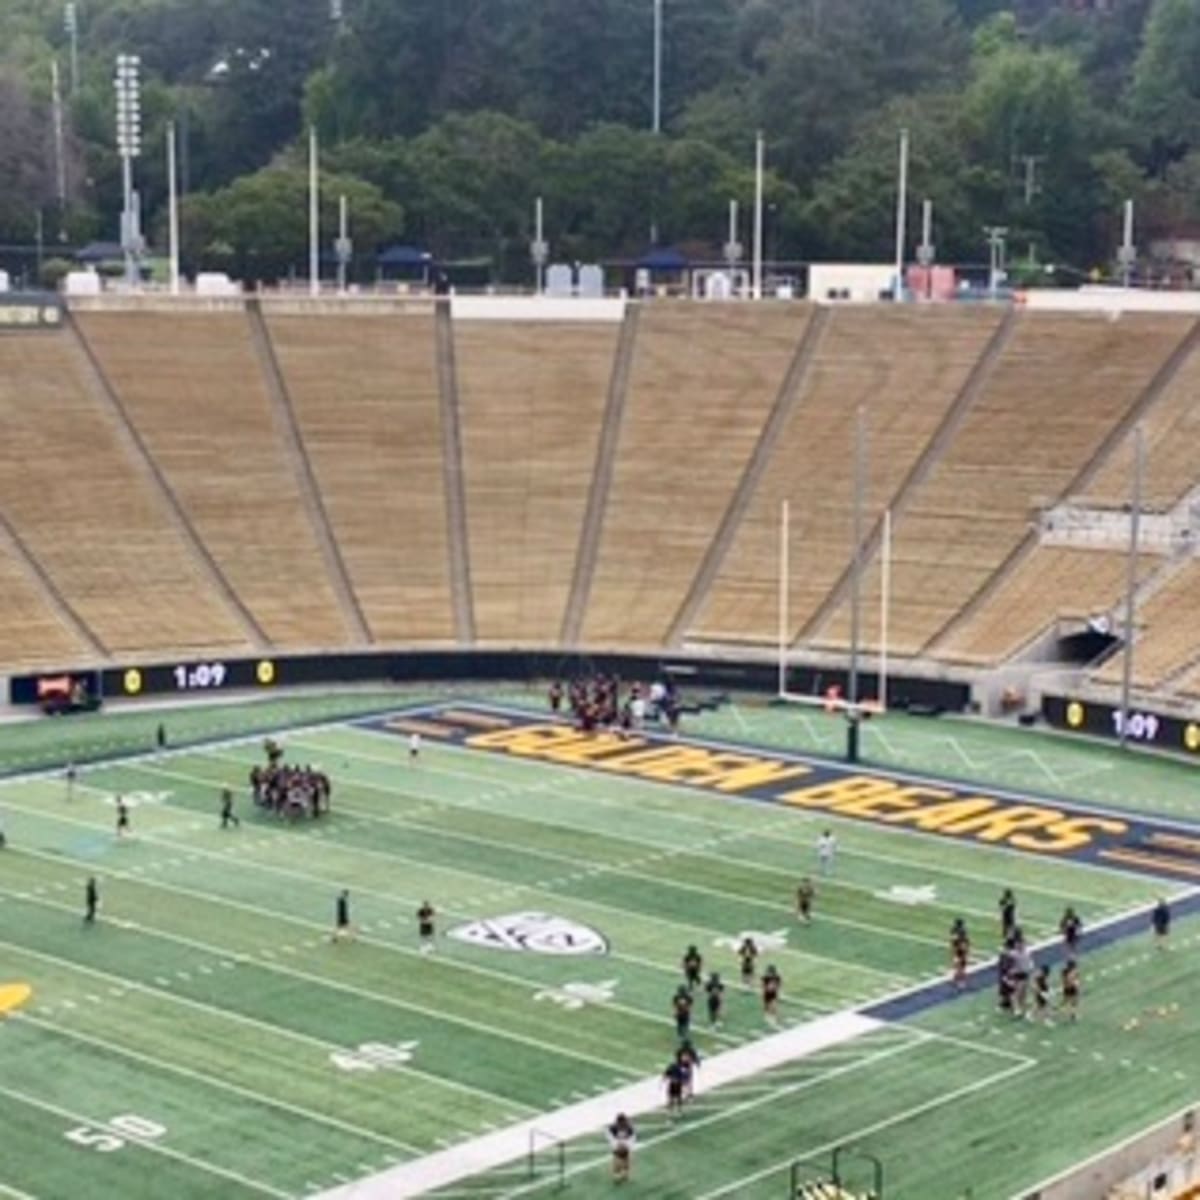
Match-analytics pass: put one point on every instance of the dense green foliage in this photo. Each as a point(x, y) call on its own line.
point(441, 120)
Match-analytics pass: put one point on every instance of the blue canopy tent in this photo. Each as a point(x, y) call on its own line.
point(404, 262)
point(663, 260)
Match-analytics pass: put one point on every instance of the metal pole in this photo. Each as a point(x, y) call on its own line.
point(314, 217)
point(885, 604)
point(759, 156)
point(658, 56)
point(172, 209)
point(1127, 253)
point(784, 583)
point(343, 235)
point(128, 220)
point(1135, 516)
point(60, 161)
point(901, 216)
point(539, 244)
point(860, 483)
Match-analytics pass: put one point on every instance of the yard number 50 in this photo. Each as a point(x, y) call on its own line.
point(106, 1138)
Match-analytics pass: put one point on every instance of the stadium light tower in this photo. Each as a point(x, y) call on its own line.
point(129, 145)
point(658, 64)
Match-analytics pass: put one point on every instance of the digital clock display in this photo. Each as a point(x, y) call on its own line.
point(199, 676)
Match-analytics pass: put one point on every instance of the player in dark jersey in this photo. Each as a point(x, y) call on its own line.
point(228, 816)
point(681, 1006)
point(622, 1138)
point(70, 776)
point(122, 817)
point(1008, 914)
point(425, 916)
point(1160, 921)
point(748, 956)
point(1041, 996)
point(341, 917)
point(693, 965)
point(1004, 976)
point(160, 739)
point(772, 985)
point(674, 1078)
point(1070, 989)
point(804, 900)
point(91, 901)
point(715, 992)
point(1071, 928)
point(689, 1058)
point(960, 952)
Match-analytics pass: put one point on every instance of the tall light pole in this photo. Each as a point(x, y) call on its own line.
point(343, 246)
point(539, 248)
point(759, 159)
point(658, 63)
point(901, 216)
point(314, 216)
point(71, 28)
point(172, 208)
point(129, 146)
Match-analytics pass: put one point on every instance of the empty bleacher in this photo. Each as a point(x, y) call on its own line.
point(86, 508)
point(193, 387)
point(1053, 583)
point(364, 391)
point(31, 634)
point(1172, 465)
point(703, 381)
point(906, 366)
point(1167, 634)
point(531, 400)
point(1063, 384)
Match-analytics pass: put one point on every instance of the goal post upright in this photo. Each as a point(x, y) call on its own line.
point(784, 586)
point(885, 604)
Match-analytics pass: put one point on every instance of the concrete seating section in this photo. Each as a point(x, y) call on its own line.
point(364, 389)
point(82, 503)
point(703, 382)
point(1064, 382)
point(193, 387)
point(31, 635)
point(1168, 636)
point(906, 366)
point(532, 400)
point(1172, 464)
point(1053, 583)
point(1189, 684)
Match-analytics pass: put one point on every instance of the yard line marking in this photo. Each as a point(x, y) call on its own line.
point(363, 993)
point(898, 1118)
point(212, 1081)
point(587, 1116)
point(226, 859)
point(155, 1147)
point(798, 816)
point(14, 1194)
point(283, 1031)
point(594, 868)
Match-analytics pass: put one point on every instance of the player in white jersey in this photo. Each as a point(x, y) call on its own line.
point(826, 852)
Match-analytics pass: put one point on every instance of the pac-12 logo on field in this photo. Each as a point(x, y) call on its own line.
point(533, 933)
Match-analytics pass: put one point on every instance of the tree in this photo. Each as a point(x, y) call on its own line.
point(257, 227)
point(1164, 99)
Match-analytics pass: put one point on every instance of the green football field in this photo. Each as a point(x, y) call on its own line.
point(207, 1039)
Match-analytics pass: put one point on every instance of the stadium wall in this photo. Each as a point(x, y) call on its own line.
point(209, 676)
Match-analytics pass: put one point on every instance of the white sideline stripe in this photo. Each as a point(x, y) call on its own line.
point(496, 1149)
point(8, 1190)
point(153, 1146)
point(898, 1118)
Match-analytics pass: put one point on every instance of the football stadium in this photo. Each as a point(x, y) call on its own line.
point(693, 722)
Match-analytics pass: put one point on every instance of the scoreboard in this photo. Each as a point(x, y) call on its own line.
point(1141, 725)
